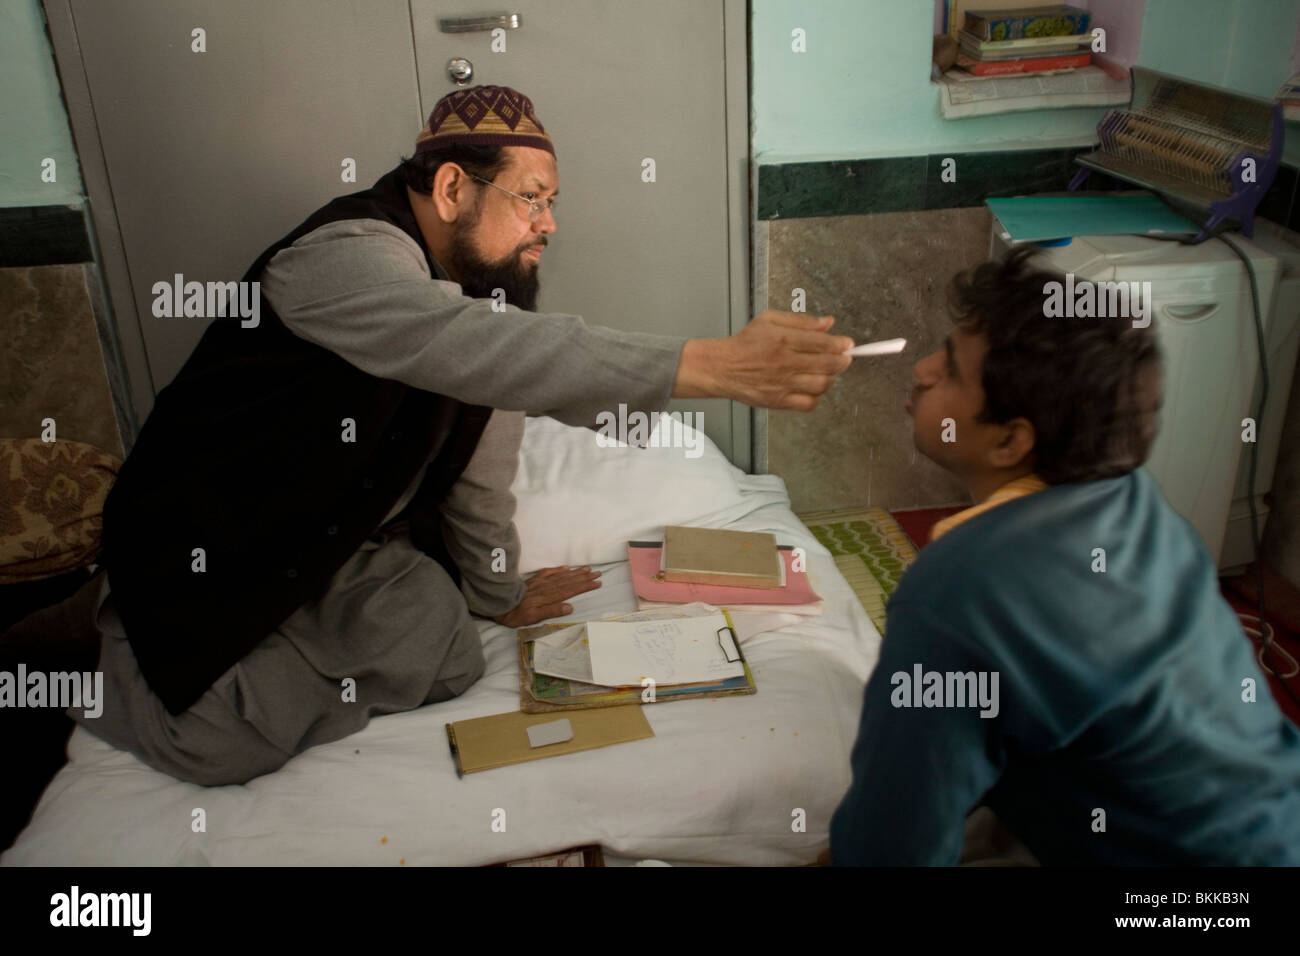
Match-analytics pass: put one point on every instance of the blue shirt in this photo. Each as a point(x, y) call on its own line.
point(1120, 732)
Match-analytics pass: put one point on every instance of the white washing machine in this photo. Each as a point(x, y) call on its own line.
point(1203, 317)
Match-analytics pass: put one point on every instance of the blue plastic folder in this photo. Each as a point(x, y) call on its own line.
point(1033, 218)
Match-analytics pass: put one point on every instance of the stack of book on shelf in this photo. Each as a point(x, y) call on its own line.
point(1004, 42)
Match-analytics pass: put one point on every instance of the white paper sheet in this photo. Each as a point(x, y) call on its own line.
point(661, 612)
point(747, 623)
point(680, 651)
point(564, 654)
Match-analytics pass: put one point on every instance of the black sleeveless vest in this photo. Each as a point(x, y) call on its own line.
point(243, 457)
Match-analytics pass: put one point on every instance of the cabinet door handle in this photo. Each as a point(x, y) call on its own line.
point(1190, 313)
point(507, 21)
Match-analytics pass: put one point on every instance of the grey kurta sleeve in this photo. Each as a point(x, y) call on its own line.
point(478, 517)
point(362, 289)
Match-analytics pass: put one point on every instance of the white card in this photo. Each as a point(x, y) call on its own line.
point(887, 347)
point(551, 732)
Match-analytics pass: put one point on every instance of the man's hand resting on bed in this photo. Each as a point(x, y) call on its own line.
point(546, 594)
point(779, 360)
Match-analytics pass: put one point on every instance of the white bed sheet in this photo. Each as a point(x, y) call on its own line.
point(720, 782)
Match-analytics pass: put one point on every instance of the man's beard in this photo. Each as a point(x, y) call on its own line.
point(480, 277)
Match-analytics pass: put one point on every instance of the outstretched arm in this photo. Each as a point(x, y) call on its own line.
point(362, 289)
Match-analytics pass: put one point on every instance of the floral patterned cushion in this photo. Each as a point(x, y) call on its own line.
point(51, 505)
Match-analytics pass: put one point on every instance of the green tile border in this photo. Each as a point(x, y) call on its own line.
point(43, 236)
point(915, 183)
point(802, 190)
point(980, 176)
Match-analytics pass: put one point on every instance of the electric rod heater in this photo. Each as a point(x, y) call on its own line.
point(1203, 148)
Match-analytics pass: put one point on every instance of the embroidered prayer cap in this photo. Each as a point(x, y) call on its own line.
point(484, 116)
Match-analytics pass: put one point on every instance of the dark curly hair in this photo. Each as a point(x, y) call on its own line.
point(482, 161)
point(1091, 387)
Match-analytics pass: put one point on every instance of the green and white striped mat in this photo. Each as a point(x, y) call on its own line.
point(870, 549)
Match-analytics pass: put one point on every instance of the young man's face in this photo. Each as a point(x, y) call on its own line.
point(947, 385)
point(499, 246)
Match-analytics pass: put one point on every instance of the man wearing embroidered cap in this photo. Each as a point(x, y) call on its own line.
point(471, 133)
point(316, 506)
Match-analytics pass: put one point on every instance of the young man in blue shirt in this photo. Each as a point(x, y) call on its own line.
point(1061, 651)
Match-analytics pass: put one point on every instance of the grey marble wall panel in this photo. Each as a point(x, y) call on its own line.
point(882, 276)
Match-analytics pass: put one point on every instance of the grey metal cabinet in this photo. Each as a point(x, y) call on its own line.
point(196, 161)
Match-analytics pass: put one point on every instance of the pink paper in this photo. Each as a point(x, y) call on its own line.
point(645, 570)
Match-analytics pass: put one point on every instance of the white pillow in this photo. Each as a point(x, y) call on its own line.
point(580, 503)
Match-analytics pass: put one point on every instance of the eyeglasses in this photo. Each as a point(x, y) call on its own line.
point(535, 206)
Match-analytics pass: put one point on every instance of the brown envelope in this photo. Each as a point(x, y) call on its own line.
point(502, 739)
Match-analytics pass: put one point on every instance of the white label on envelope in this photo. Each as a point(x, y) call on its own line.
point(551, 732)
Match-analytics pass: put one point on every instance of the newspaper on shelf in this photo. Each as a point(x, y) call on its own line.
point(962, 95)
